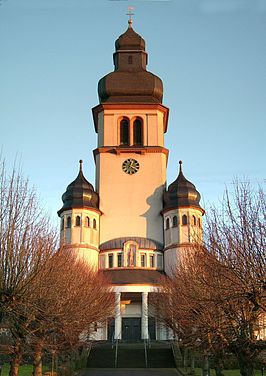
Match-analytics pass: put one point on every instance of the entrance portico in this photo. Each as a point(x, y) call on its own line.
point(131, 322)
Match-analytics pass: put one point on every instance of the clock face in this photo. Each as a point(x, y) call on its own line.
point(130, 166)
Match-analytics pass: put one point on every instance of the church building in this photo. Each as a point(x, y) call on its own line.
point(131, 227)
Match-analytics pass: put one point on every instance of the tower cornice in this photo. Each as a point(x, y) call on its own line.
point(131, 149)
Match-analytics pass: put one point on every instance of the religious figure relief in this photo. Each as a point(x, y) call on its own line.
point(131, 256)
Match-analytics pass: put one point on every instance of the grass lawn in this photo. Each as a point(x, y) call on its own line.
point(232, 372)
point(24, 370)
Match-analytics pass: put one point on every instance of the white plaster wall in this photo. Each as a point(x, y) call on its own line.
point(131, 310)
point(81, 234)
point(89, 256)
point(131, 204)
point(170, 260)
point(183, 233)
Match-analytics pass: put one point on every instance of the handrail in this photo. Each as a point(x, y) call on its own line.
point(116, 349)
point(145, 353)
point(147, 345)
point(113, 339)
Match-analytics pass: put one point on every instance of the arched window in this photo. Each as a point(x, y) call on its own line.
point(68, 222)
point(174, 221)
point(62, 224)
point(184, 219)
point(199, 222)
point(87, 221)
point(94, 224)
point(137, 132)
point(167, 223)
point(130, 59)
point(77, 220)
point(124, 132)
point(194, 221)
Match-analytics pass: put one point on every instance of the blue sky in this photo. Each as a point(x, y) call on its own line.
point(210, 54)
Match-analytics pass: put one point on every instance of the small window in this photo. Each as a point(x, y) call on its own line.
point(167, 223)
point(151, 261)
point(95, 326)
point(124, 132)
point(184, 219)
point(77, 220)
point(87, 221)
point(62, 224)
point(68, 222)
point(110, 261)
point(130, 59)
point(194, 221)
point(94, 224)
point(119, 260)
point(199, 222)
point(143, 260)
point(137, 132)
point(174, 221)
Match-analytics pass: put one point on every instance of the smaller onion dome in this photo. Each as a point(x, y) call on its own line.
point(130, 40)
point(181, 193)
point(79, 194)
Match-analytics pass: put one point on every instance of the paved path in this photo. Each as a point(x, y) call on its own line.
point(129, 372)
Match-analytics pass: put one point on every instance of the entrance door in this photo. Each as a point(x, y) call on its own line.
point(131, 329)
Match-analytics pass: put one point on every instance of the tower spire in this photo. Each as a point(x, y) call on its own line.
point(80, 165)
point(180, 166)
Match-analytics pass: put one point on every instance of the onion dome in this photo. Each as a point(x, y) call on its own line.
point(130, 82)
point(79, 194)
point(130, 40)
point(181, 193)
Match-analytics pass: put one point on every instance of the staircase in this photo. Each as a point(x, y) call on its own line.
point(131, 355)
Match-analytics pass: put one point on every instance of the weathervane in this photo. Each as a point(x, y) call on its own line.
point(130, 14)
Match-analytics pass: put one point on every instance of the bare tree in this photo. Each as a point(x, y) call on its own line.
point(27, 241)
point(70, 299)
point(217, 295)
point(47, 297)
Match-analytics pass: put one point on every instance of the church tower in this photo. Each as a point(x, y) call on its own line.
point(130, 158)
point(131, 228)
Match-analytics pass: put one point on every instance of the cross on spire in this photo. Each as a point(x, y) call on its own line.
point(130, 14)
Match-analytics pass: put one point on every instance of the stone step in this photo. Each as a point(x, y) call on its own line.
point(131, 355)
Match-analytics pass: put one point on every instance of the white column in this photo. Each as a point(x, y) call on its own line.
point(118, 320)
point(144, 316)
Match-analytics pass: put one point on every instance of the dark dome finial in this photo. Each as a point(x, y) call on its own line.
point(180, 166)
point(80, 164)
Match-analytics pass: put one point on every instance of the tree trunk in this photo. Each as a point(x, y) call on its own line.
point(246, 366)
point(185, 358)
point(206, 366)
point(16, 360)
point(37, 360)
point(192, 363)
point(218, 371)
point(218, 366)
